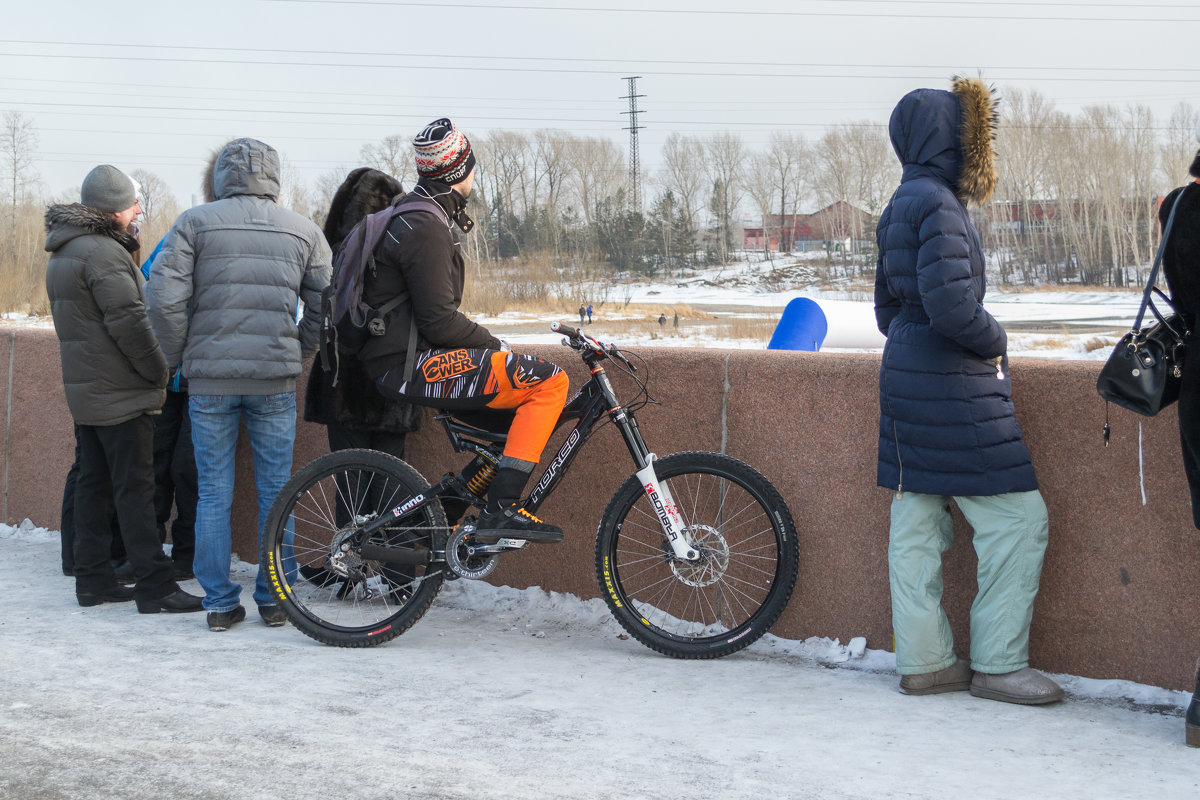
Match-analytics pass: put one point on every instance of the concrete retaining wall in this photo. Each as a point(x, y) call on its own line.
point(1121, 584)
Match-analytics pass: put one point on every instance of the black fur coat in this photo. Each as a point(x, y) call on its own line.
point(352, 400)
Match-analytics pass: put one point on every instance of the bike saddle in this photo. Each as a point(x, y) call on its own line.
point(489, 426)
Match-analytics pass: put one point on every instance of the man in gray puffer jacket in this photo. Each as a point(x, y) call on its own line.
point(223, 299)
point(115, 377)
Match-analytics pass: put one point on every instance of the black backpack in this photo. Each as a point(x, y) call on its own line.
point(347, 323)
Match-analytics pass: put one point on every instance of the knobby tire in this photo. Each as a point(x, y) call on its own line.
point(741, 584)
point(326, 503)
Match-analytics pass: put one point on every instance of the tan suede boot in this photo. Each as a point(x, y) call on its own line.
point(1026, 687)
point(954, 678)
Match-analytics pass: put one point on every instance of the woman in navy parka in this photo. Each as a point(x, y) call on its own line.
point(946, 426)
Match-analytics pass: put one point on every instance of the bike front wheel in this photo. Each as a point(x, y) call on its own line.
point(336, 583)
point(735, 590)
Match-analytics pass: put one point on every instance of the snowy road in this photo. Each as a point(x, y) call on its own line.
point(506, 694)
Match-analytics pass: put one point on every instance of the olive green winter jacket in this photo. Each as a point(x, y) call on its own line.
point(113, 369)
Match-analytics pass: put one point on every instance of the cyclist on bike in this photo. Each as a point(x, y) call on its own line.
point(459, 365)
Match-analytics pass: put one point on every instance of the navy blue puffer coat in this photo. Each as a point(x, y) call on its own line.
point(946, 423)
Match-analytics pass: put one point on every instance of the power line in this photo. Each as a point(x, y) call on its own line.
point(462, 66)
point(752, 13)
point(582, 59)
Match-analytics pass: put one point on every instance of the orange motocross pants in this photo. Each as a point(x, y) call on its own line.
point(533, 391)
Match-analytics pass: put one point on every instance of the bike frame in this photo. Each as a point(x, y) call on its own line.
point(594, 400)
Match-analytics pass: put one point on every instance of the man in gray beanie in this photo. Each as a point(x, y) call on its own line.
point(115, 376)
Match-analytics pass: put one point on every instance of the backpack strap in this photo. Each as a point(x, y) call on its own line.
point(409, 203)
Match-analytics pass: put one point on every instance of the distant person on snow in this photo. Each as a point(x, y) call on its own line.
point(582, 314)
point(589, 313)
point(947, 428)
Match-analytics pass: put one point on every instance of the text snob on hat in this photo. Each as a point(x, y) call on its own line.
point(106, 188)
point(443, 152)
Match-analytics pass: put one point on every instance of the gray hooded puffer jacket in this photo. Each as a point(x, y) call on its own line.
point(112, 368)
point(222, 296)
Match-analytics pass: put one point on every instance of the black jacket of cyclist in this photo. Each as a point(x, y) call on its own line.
point(458, 365)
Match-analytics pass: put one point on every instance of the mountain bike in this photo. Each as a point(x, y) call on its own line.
point(696, 553)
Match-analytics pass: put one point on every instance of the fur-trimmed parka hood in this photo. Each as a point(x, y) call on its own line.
point(364, 192)
point(949, 135)
point(66, 222)
point(243, 166)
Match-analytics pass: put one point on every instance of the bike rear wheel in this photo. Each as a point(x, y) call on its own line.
point(736, 590)
point(319, 563)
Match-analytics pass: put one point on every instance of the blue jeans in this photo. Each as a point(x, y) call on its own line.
point(271, 425)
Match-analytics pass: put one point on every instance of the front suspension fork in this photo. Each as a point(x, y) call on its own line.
point(673, 525)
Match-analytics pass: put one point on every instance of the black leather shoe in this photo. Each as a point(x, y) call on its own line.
point(177, 602)
point(124, 573)
point(116, 594)
point(182, 572)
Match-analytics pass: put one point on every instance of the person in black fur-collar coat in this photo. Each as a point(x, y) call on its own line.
point(947, 428)
point(1181, 265)
point(355, 414)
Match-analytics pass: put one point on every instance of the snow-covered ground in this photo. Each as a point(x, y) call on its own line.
point(500, 693)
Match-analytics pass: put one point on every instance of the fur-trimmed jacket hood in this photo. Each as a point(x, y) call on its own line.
point(66, 222)
point(949, 135)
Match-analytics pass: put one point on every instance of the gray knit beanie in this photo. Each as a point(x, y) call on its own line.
point(106, 188)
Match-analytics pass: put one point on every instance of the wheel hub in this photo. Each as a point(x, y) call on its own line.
point(710, 567)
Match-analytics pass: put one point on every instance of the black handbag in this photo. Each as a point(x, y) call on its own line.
point(1144, 370)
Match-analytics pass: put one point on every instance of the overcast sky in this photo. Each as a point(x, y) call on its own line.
point(158, 85)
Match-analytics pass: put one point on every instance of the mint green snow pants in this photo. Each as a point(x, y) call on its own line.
point(1011, 531)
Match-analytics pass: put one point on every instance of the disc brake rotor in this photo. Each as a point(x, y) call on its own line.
point(714, 558)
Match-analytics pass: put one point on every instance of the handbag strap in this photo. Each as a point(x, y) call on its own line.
point(1162, 246)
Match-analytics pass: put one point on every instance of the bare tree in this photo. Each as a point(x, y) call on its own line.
point(595, 173)
point(760, 185)
point(393, 155)
point(1180, 145)
point(725, 157)
point(18, 146)
point(785, 157)
point(158, 201)
point(682, 176)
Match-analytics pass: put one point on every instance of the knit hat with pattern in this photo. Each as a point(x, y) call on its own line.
point(443, 152)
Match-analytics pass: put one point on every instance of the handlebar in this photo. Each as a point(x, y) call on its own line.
point(578, 340)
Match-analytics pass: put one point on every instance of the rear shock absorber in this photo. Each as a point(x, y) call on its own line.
point(478, 475)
